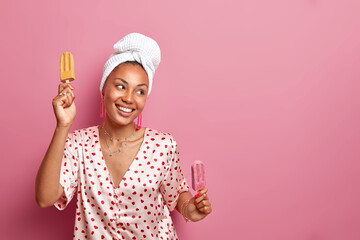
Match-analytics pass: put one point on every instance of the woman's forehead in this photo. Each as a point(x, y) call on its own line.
point(130, 73)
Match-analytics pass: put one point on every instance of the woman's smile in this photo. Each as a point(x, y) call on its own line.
point(124, 111)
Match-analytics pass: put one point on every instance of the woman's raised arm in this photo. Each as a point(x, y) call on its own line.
point(47, 187)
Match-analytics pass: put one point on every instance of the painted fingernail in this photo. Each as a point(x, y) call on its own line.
point(195, 203)
point(71, 86)
point(197, 195)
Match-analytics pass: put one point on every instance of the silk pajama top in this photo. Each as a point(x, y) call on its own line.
point(139, 208)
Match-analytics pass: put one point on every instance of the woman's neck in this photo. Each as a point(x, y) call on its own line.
point(119, 131)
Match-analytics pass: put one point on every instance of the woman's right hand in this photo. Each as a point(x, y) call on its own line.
point(64, 106)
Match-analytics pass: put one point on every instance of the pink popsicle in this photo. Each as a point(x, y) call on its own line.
point(198, 175)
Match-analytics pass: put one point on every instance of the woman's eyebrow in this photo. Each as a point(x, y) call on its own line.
point(142, 84)
point(122, 80)
point(139, 85)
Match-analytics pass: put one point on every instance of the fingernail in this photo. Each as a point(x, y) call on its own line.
point(71, 86)
point(195, 203)
point(197, 195)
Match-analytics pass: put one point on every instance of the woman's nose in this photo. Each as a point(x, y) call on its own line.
point(127, 97)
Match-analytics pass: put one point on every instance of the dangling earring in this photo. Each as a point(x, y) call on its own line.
point(102, 107)
point(138, 125)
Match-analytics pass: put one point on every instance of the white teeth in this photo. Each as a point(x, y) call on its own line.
point(128, 110)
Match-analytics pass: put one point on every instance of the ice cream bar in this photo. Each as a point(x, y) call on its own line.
point(67, 72)
point(198, 175)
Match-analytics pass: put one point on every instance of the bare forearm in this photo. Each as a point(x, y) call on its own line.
point(47, 187)
point(181, 206)
point(184, 196)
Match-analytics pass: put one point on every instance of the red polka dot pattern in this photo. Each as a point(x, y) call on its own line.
point(139, 208)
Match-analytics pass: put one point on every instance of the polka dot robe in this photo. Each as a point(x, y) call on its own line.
point(139, 208)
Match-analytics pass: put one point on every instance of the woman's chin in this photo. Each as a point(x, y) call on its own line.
point(120, 121)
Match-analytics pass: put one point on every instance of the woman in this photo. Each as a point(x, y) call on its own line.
point(127, 178)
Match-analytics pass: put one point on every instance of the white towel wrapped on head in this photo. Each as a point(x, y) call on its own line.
point(134, 47)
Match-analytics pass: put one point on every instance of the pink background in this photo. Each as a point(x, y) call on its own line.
point(266, 93)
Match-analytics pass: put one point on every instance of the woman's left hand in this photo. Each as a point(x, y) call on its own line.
point(199, 206)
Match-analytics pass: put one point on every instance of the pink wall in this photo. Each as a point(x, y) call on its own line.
point(265, 92)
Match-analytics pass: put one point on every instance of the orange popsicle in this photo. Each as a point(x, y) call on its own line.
point(67, 72)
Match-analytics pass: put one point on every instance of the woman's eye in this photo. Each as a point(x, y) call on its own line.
point(141, 92)
point(120, 86)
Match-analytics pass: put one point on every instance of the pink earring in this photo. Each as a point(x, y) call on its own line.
point(138, 125)
point(102, 107)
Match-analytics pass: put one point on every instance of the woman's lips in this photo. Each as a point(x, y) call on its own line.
point(125, 112)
